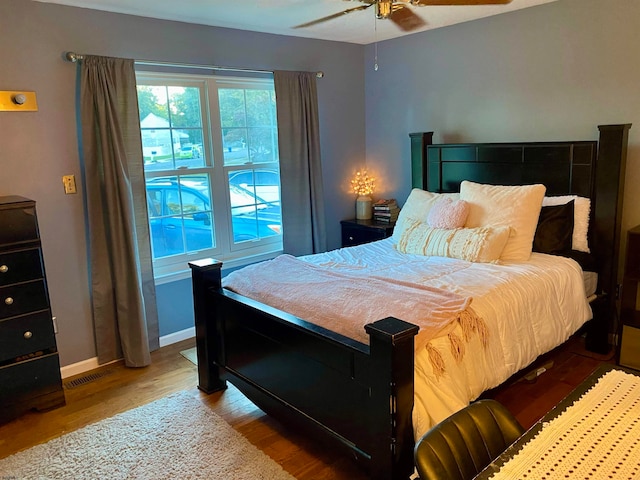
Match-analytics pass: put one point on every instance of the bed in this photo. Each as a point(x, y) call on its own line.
point(360, 394)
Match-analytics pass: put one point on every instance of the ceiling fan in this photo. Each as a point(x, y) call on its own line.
point(399, 12)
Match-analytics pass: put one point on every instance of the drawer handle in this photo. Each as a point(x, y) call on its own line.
point(4, 269)
point(8, 301)
point(351, 239)
point(28, 335)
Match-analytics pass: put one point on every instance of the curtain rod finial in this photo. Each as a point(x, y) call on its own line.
point(72, 57)
point(319, 74)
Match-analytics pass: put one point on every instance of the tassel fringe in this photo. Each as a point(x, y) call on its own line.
point(457, 346)
point(436, 360)
point(469, 323)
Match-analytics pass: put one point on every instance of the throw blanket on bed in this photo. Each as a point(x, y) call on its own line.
point(344, 303)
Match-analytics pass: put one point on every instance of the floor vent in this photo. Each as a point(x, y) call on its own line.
point(77, 382)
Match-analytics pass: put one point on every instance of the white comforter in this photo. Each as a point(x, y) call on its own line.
point(529, 307)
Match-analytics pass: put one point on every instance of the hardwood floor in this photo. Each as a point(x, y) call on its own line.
point(529, 400)
point(114, 389)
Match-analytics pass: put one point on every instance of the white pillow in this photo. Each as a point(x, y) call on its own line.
point(484, 244)
point(581, 212)
point(515, 206)
point(417, 207)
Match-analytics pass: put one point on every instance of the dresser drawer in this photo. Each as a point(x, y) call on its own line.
point(26, 334)
point(18, 225)
point(23, 298)
point(630, 347)
point(38, 376)
point(355, 236)
point(356, 232)
point(20, 266)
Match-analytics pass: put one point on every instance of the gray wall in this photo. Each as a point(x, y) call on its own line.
point(37, 149)
point(550, 72)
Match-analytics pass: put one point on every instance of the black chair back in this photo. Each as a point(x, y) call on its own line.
point(461, 446)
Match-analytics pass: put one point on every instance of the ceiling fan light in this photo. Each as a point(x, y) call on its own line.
point(384, 8)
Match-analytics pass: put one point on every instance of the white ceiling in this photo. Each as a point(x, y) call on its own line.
point(280, 16)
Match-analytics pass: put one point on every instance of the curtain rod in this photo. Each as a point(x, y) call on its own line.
point(74, 57)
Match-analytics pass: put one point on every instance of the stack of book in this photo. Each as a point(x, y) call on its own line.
point(386, 210)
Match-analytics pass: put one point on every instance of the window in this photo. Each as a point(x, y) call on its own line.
point(210, 147)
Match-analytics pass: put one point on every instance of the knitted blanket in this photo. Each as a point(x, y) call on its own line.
point(595, 437)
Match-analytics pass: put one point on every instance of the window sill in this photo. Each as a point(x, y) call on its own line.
point(228, 265)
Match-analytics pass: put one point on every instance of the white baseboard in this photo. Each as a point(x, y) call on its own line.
point(80, 367)
point(177, 336)
point(92, 363)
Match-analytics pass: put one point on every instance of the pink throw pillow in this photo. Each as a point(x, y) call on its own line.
point(448, 213)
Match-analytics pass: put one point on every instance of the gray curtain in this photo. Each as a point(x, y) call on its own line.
point(303, 221)
point(122, 287)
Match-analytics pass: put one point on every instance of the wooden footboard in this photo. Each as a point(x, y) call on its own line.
point(358, 397)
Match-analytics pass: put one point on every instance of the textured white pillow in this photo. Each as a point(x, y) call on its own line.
point(417, 207)
point(581, 212)
point(448, 213)
point(515, 206)
point(484, 244)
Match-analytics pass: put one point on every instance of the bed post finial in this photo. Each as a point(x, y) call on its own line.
point(205, 275)
point(419, 164)
point(392, 352)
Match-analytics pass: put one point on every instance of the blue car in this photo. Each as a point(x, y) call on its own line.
point(176, 230)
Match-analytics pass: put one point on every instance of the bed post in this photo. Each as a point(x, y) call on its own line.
point(607, 219)
point(205, 275)
point(419, 164)
point(392, 353)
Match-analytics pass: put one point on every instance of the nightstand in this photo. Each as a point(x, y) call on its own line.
point(629, 308)
point(356, 232)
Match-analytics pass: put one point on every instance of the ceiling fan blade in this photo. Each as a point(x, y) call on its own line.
point(404, 18)
point(423, 3)
point(335, 15)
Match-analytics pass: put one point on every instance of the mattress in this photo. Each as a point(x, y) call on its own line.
point(529, 308)
point(590, 280)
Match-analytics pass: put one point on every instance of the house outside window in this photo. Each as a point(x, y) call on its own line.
point(210, 148)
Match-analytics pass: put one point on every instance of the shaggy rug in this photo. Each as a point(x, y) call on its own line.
point(177, 437)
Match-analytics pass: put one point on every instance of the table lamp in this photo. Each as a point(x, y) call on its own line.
point(363, 186)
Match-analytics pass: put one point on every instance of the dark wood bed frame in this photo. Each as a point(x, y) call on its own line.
point(360, 397)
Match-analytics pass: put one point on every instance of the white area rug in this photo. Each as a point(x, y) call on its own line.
point(177, 437)
point(190, 354)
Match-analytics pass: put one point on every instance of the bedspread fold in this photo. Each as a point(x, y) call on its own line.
point(345, 303)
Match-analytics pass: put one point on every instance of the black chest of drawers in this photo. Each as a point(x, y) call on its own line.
point(29, 363)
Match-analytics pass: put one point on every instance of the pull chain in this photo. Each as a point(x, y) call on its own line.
point(375, 45)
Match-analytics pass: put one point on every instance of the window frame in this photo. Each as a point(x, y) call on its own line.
point(233, 255)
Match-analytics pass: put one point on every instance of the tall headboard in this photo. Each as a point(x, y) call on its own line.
point(593, 169)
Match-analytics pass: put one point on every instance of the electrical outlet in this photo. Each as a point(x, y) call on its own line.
point(69, 182)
